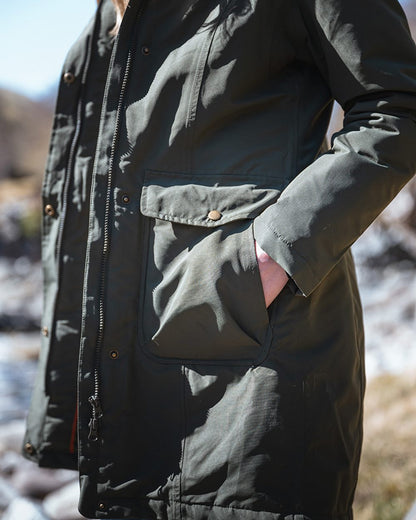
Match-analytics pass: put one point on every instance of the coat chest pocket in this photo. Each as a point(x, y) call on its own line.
point(201, 297)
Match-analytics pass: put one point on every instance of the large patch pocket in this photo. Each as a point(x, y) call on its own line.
point(202, 299)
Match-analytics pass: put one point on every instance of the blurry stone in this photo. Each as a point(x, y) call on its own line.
point(24, 509)
point(386, 276)
point(411, 515)
point(21, 295)
point(11, 435)
point(63, 504)
point(17, 322)
point(9, 462)
point(18, 347)
point(383, 245)
point(16, 381)
point(22, 266)
point(30, 480)
point(402, 206)
point(7, 494)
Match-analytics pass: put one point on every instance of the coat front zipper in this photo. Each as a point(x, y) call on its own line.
point(94, 400)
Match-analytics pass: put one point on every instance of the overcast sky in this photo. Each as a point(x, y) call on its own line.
point(34, 38)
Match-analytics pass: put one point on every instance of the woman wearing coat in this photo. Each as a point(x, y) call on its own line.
point(186, 138)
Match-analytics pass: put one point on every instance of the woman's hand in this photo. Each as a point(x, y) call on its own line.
point(273, 277)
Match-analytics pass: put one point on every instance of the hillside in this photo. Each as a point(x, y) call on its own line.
point(387, 482)
point(24, 134)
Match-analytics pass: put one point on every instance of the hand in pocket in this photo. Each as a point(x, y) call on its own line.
point(273, 277)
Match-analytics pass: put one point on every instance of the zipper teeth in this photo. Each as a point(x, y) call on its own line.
point(94, 400)
point(106, 231)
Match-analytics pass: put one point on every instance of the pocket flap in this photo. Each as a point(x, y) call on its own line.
point(204, 200)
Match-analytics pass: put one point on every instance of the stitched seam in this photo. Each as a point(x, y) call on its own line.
point(296, 126)
point(181, 220)
point(341, 517)
point(226, 507)
point(273, 34)
point(182, 461)
point(281, 237)
point(210, 174)
point(291, 246)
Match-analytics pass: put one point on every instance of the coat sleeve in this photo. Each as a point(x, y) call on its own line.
point(365, 53)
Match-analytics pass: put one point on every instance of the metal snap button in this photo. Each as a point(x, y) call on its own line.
point(214, 215)
point(145, 50)
point(114, 354)
point(69, 78)
point(125, 198)
point(101, 506)
point(50, 210)
point(29, 448)
point(45, 331)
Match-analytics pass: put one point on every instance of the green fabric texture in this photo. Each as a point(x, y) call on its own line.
point(176, 145)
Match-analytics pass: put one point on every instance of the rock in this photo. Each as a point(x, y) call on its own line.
point(9, 462)
point(385, 245)
point(21, 295)
point(7, 494)
point(16, 381)
point(63, 504)
point(411, 515)
point(11, 435)
point(16, 347)
point(30, 480)
point(386, 276)
point(24, 509)
point(402, 208)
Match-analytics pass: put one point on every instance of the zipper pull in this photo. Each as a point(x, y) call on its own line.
point(97, 413)
point(93, 433)
point(96, 406)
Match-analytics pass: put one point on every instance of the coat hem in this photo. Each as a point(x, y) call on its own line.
point(180, 510)
point(52, 460)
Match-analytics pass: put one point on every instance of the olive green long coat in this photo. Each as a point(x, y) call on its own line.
point(199, 128)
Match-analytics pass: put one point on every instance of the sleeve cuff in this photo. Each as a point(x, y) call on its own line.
point(302, 279)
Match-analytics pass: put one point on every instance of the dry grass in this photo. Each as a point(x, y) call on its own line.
point(27, 188)
point(387, 482)
point(25, 127)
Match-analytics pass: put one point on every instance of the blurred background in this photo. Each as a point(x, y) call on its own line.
point(34, 39)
